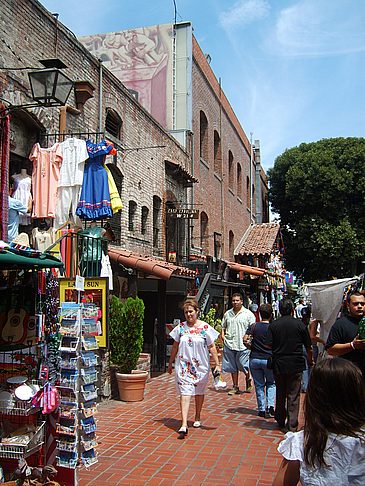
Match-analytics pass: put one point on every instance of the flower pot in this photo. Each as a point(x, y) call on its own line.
point(131, 385)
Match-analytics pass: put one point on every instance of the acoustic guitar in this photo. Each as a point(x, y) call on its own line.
point(16, 326)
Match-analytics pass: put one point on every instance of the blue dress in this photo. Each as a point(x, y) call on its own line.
point(95, 197)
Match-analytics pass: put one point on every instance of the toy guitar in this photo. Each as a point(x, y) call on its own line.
point(16, 326)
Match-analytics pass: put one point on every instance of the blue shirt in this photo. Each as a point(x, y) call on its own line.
point(15, 207)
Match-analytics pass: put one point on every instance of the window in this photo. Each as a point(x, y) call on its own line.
point(230, 170)
point(231, 245)
point(132, 209)
point(156, 221)
point(248, 195)
point(115, 222)
point(217, 154)
point(203, 137)
point(204, 243)
point(239, 181)
point(217, 245)
point(144, 218)
point(113, 123)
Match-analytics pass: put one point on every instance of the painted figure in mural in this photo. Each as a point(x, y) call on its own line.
point(235, 323)
point(143, 47)
point(193, 341)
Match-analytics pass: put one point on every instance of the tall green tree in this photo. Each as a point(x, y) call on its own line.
point(318, 190)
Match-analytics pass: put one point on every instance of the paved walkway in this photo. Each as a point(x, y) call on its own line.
point(139, 446)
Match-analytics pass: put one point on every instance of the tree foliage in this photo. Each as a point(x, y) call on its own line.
point(318, 189)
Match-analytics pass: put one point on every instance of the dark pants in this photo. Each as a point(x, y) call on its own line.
point(287, 399)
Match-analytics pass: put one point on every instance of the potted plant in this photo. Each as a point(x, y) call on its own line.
point(216, 323)
point(126, 341)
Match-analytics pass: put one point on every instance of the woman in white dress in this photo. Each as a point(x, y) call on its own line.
point(193, 341)
point(331, 448)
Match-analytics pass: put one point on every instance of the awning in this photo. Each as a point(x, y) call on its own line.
point(149, 265)
point(246, 269)
point(12, 261)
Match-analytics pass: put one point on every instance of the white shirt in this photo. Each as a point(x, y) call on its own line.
point(345, 456)
point(235, 327)
point(74, 154)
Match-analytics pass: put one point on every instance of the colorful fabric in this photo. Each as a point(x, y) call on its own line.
point(95, 196)
point(192, 360)
point(115, 201)
point(45, 176)
point(4, 173)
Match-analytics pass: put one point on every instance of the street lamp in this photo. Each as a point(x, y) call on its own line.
point(49, 86)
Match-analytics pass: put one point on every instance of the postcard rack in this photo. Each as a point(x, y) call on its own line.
point(77, 385)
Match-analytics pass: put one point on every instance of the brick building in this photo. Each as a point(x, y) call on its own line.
point(152, 169)
point(165, 68)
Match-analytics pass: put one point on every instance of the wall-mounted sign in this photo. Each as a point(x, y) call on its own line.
point(183, 213)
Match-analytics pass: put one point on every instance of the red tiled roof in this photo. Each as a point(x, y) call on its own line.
point(148, 265)
point(259, 239)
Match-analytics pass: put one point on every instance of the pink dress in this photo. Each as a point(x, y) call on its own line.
point(45, 176)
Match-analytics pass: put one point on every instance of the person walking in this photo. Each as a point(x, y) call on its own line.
point(331, 448)
point(235, 354)
point(286, 337)
point(193, 341)
point(343, 337)
point(263, 377)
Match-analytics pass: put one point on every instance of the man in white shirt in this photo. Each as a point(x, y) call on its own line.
point(235, 354)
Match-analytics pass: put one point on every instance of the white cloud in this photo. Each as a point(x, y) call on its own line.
point(319, 28)
point(243, 13)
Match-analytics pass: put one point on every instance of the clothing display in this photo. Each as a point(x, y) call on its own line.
point(74, 154)
point(95, 196)
point(91, 251)
point(344, 455)
point(15, 207)
point(21, 192)
point(46, 172)
point(42, 239)
point(106, 270)
point(192, 360)
point(115, 201)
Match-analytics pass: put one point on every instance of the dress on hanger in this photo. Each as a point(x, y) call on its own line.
point(95, 196)
point(74, 154)
point(42, 239)
point(46, 172)
point(115, 201)
point(22, 187)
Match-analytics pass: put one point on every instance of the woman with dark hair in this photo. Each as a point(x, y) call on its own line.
point(193, 340)
point(331, 448)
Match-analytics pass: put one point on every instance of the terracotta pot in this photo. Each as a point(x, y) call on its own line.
point(131, 385)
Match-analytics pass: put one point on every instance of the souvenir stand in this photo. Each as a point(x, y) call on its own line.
point(28, 297)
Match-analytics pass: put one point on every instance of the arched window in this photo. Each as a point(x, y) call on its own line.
point(217, 154)
point(115, 222)
point(156, 224)
point(144, 218)
point(231, 245)
point(204, 243)
point(132, 209)
point(230, 170)
point(239, 181)
point(113, 123)
point(203, 137)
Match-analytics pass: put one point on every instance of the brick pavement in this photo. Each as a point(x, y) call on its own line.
point(139, 446)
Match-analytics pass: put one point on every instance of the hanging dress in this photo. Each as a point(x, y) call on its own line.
point(95, 196)
point(115, 201)
point(22, 188)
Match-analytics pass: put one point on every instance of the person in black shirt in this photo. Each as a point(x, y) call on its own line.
point(262, 376)
point(286, 337)
point(343, 337)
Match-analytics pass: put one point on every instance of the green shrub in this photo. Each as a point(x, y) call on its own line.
point(216, 323)
point(126, 332)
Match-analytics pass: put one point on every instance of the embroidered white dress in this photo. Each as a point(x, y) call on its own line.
point(345, 456)
point(192, 360)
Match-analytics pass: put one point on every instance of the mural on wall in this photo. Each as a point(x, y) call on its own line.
point(142, 60)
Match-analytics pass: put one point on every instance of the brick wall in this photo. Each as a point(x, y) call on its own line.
point(28, 32)
point(225, 210)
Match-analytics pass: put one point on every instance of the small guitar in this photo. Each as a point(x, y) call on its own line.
point(16, 326)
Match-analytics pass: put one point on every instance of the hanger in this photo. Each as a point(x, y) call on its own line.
point(70, 224)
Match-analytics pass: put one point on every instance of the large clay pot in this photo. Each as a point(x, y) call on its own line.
point(131, 385)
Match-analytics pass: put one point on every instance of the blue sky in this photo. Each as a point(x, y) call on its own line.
point(293, 70)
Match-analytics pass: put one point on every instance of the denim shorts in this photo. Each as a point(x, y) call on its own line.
point(234, 361)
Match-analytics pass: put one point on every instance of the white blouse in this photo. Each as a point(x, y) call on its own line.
point(344, 455)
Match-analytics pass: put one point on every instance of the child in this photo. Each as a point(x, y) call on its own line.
point(331, 448)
